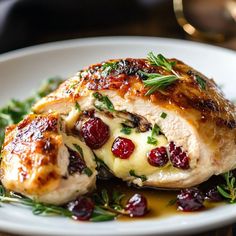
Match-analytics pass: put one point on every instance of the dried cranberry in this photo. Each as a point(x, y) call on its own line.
point(178, 157)
point(190, 199)
point(122, 147)
point(212, 194)
point(76, 162)
point(95, 132)
point(82, 208)
point(137, 205)
point(158, 157)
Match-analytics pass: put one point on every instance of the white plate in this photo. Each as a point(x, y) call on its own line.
point(22, 71)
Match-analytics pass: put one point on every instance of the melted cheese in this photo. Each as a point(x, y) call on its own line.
point(138, 159)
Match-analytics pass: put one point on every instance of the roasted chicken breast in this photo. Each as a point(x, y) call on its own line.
point(40, 161)
point(172, 137)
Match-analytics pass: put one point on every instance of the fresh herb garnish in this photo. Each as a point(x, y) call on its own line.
point(79, 149)
point(87, 171)
point(228, 190)
point(160, 60)
point(77, 107)
point(15, 110)
point(103, 102)
point(108, 207)
point(37, 207)
point(157, 81)
point(155, 132)
point(201, 82)
point(126, 129)
point(107, 67)
point(142, 177)
point(163, 115)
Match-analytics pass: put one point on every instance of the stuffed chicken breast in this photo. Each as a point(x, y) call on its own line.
point(153, 122)
point(40, 161)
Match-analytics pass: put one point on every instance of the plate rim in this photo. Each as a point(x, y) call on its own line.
point(101, 40)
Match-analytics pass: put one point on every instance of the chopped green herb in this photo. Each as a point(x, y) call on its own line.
point(77, 107)
point(163, 115)
point(228, 190)
point(155, 132)
point(157, 81)
point(104, 102)
point(126, 129)
point(108, 67)
point(87, 171)
point(201, 82)
point(151, 140)
point(79, 149)
point(142, 177)
point(99, 162)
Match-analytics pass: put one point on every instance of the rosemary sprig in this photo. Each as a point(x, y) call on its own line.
point(107, 207)
point(160, 60)
point(228, 190)
point(37, 207)
point(157, 81)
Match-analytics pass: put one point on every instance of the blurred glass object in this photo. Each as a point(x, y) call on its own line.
point(207, 20)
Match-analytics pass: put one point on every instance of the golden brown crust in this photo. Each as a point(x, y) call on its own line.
point(184, 95)
point(34, 145)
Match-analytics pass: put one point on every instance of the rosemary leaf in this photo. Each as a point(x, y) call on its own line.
point(201, 82)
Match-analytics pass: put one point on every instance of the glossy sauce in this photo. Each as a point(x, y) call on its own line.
point(159, 201)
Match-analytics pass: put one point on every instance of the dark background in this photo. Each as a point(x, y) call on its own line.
point(28, 22)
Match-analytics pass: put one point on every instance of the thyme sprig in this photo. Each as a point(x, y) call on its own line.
point(160, 60)
point(155, 80)
point(109, 207)
point(37, 207)
point(106, 207)
point(228, 189)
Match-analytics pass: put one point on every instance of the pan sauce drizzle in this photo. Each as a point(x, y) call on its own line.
point(158, 200)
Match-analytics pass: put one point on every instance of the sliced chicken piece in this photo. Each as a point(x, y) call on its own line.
point(197, 124)
point(40, 161)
